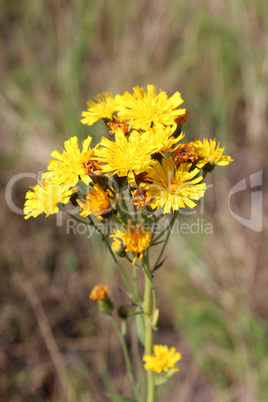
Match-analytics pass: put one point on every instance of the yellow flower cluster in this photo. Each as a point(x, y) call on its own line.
point(144, 152)
point(137, 173)
point(140, 109)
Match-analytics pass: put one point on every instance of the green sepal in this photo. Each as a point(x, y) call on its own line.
point(177, 132)
point(106, 306)
point(208, 168)
point(164, 377)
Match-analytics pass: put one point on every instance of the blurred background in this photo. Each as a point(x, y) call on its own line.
point(56, 55)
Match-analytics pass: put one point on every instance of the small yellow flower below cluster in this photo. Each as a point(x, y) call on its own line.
point(136, 240)
point(163, 359)
point(98, 293)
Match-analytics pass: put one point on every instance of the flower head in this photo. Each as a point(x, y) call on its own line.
point(44, 197)
point(98, 202)
point(72, 164)
point(185, 153)
point(173, 188)
point(144, 109)
point(98, 293)
point(103, 108)
point(125, 155)
point(140, 198)
point(162, 137)
point(117, 123)
point(209, 153)
point(163, 359)
point(135, 239)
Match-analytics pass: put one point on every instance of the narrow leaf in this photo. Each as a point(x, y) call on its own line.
point(140, 328)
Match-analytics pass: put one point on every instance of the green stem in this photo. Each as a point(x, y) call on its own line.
point(123, 215)
point(147, 309)
point(63, 209)
point(161, 252)
point(104, 238)
point(135, 208)
point(135, 283)
point(168, 231)
point(134, 341)
point(158, 237)
point(96, 228)
point(127, 359)
point(128, 285)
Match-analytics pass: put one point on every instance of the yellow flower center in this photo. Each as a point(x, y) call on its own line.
point(98, 203)
point(163, 360)
point(173, 187)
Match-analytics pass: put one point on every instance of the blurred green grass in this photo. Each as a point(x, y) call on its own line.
point(214, 309)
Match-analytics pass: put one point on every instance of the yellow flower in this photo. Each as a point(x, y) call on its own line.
point(97, 202)
point(44, 197)
point(135, 239)
point(162, 137)
point(143, 109)
point(210, 154)
point(163, 359)
point(72, 164)
point(103, 108)
point(99, 293)
point(173, 187)
point(125, 155)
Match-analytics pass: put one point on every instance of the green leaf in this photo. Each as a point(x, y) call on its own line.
point(140, 328)
point(120, 398)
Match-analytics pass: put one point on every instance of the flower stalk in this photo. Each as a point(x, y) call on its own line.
point(127, 359)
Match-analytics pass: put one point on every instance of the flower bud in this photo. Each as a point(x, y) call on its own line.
point(122, 311)
point(118, 248)
point(106, 306)
point(99, 294)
